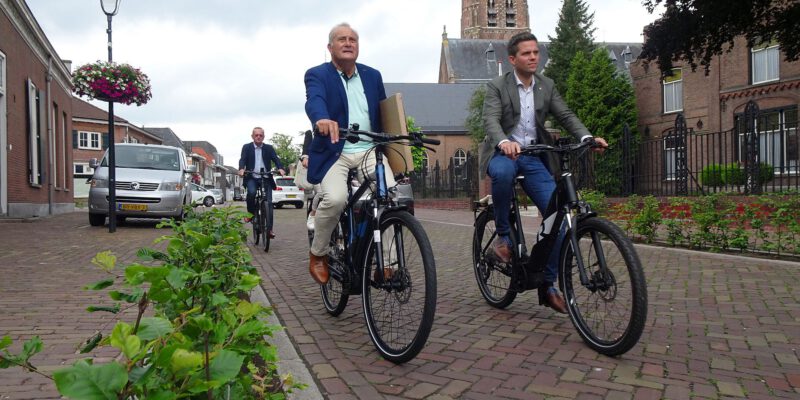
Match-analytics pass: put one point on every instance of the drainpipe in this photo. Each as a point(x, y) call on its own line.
point(50, 139)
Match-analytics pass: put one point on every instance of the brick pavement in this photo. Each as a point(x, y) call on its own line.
point(719, 326)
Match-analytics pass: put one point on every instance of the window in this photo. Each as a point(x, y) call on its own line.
point(511, 14)
point(491, 14)
point(777, 140)
point(459, 158)
point(673, 92)
point(34, 136)
point(82, 169)
point(425, 161)
point(89, 140)
point(672, 145)
point(765, 63)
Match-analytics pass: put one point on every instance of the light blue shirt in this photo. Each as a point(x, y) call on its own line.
point(259, 159)
point(358, 111)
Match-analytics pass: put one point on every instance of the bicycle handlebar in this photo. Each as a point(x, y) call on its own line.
point(536, 149)
point(414, 138)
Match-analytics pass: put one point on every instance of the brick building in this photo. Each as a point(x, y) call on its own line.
point(90, 139)
point(35, 119)
point(713, 104)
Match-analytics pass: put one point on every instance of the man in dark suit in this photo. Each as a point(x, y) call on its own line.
point(514, 110)
point(255, 156)
point(338, 94)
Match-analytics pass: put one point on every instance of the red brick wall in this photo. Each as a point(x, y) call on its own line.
point(23, 64)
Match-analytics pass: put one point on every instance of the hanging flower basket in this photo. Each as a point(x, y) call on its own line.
point(106, 81)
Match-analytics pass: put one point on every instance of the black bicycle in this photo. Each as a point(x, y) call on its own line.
point(599, 271)
point(380, 251)
point(262, 219)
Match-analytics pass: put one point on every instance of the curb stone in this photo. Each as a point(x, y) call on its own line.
point(289, 361)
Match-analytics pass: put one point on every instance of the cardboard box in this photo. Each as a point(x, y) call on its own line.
point(393, 119)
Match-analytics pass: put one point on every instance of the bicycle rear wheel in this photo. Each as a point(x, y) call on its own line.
point(265, 224)
point(400, 301)
point(494, 278)
point(336, 292)
point(610, 312)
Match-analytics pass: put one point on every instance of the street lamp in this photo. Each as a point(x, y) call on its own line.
point(110, 9)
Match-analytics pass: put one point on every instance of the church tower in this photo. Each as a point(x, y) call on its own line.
point(493, 19)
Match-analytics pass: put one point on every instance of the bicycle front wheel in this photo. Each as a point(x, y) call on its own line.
point(399, 296)
point(336, 292)
point(264, 223)
point(610, 311)
point(494, 277)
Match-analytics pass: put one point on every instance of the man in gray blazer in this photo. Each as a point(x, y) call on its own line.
point(514, 110)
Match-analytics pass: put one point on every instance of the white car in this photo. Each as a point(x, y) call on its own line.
point(218, 195)
point(287, 192)
point(201, 195)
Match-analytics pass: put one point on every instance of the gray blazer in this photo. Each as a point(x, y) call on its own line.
point(501, 115)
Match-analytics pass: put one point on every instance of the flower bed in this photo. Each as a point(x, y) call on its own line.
point(120, 83)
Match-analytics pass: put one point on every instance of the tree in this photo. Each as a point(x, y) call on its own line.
point(474, 122)
point(604, 101)
point(699, 30)
point(574, 33)
point(417, 153)
point(287, 152)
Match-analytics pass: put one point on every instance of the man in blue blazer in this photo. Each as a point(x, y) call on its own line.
point(255, 156)
point(338, 94)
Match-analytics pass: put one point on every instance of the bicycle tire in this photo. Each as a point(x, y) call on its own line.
point(600, 314)
point(494, 279)
point(254, 222)
point(336, 292)
point(265, 224)
point(399, 313)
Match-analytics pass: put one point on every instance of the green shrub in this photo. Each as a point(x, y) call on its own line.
point(733, 174)
point(647, 220)
point(597, 200)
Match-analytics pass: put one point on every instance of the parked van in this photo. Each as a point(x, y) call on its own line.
point(152, 181)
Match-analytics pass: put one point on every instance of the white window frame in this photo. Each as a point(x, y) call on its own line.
point(87, 170)
point(673, 92)
point(3, 138)
point(670, 158)
point(765, 63)
point(772, 143)
point(87, 143)
point(34, 138)
point(425, 161)
point(459, 158)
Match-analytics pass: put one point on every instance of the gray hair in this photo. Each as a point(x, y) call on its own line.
point(341, 25)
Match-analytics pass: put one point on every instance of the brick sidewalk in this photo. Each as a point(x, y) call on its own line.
point(719, 326)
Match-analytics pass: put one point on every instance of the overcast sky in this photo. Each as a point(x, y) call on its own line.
point(220, 67)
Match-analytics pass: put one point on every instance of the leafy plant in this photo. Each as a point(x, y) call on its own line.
point(647, 220)
point(203, 340)
point(595, 199)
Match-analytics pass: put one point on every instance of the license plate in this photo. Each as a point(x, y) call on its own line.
point(291, 196)
point(132, 207)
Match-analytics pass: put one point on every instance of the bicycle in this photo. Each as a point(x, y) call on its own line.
point(262, 219)
point(598, 267)
point(380, 251)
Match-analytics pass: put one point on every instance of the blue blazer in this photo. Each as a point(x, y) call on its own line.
point(247, 160)
point(326, 99)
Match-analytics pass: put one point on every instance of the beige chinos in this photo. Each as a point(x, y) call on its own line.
point(334, 195)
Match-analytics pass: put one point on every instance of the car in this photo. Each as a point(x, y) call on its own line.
point(201, 195)
point(151, 182)
point(218, 196)
point(238, 194)
point(286, 192)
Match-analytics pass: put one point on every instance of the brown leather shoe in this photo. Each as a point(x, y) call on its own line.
point(555, 300)
point(271, 234)
point(388, 272)
point(318, 267)
point(501, 250)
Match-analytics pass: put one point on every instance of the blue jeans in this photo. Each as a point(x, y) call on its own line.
point(538, 185)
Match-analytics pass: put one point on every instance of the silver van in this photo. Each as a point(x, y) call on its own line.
point(152, 181)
